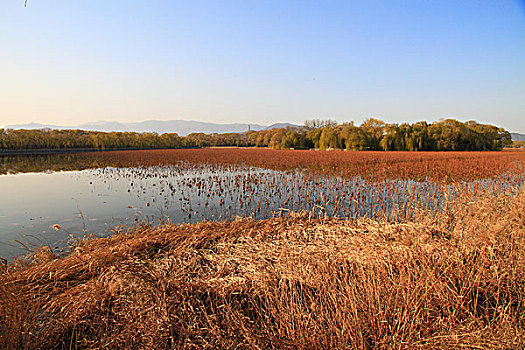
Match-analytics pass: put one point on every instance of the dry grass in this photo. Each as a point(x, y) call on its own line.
point(457, 282)
point(372, 165)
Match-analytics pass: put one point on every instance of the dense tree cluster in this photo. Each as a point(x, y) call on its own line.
point(447, 135)
point(373, 134)
point(71, 139)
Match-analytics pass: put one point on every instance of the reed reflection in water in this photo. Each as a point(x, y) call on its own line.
point(99, 200)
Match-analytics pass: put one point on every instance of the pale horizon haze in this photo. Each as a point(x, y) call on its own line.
point(74, 62)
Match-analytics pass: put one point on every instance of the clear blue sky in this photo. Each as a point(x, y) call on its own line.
point(74, 61)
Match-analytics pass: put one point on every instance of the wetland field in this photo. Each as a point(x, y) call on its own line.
point(259, 248)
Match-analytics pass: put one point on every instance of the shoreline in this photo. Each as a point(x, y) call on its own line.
point(292, 282)
point(15, 152)
point(70, 150)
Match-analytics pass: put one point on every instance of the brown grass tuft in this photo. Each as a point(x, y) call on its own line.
point(281, 283)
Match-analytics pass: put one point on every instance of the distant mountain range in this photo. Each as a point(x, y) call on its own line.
point(181, 127)
point(517, 137)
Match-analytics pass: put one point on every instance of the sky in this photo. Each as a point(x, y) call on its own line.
point(69, 62)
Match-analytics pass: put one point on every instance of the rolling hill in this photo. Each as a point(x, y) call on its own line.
point(517, 137)
point(181, 127)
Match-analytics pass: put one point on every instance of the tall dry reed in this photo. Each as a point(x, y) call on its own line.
point(457, 281)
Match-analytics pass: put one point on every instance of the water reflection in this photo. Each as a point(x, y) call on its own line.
point(49, 162)
point(98, 200)
point(96, 197)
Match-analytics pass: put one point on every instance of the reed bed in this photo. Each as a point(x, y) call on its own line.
point(448, 282)
point(372, 165)
point(443, 167)
point(192, 192)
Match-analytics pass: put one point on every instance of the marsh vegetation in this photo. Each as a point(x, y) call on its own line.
point(281, 249)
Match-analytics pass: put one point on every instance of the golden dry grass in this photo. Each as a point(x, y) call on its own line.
point(297, 282)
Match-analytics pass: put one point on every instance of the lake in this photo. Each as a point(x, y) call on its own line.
point(53, 200)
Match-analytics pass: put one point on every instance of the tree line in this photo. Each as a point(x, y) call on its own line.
point(373, 134)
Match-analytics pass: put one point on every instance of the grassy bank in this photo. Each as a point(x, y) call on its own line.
point(455, 282)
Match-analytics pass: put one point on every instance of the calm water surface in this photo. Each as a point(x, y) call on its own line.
point(96, 201)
